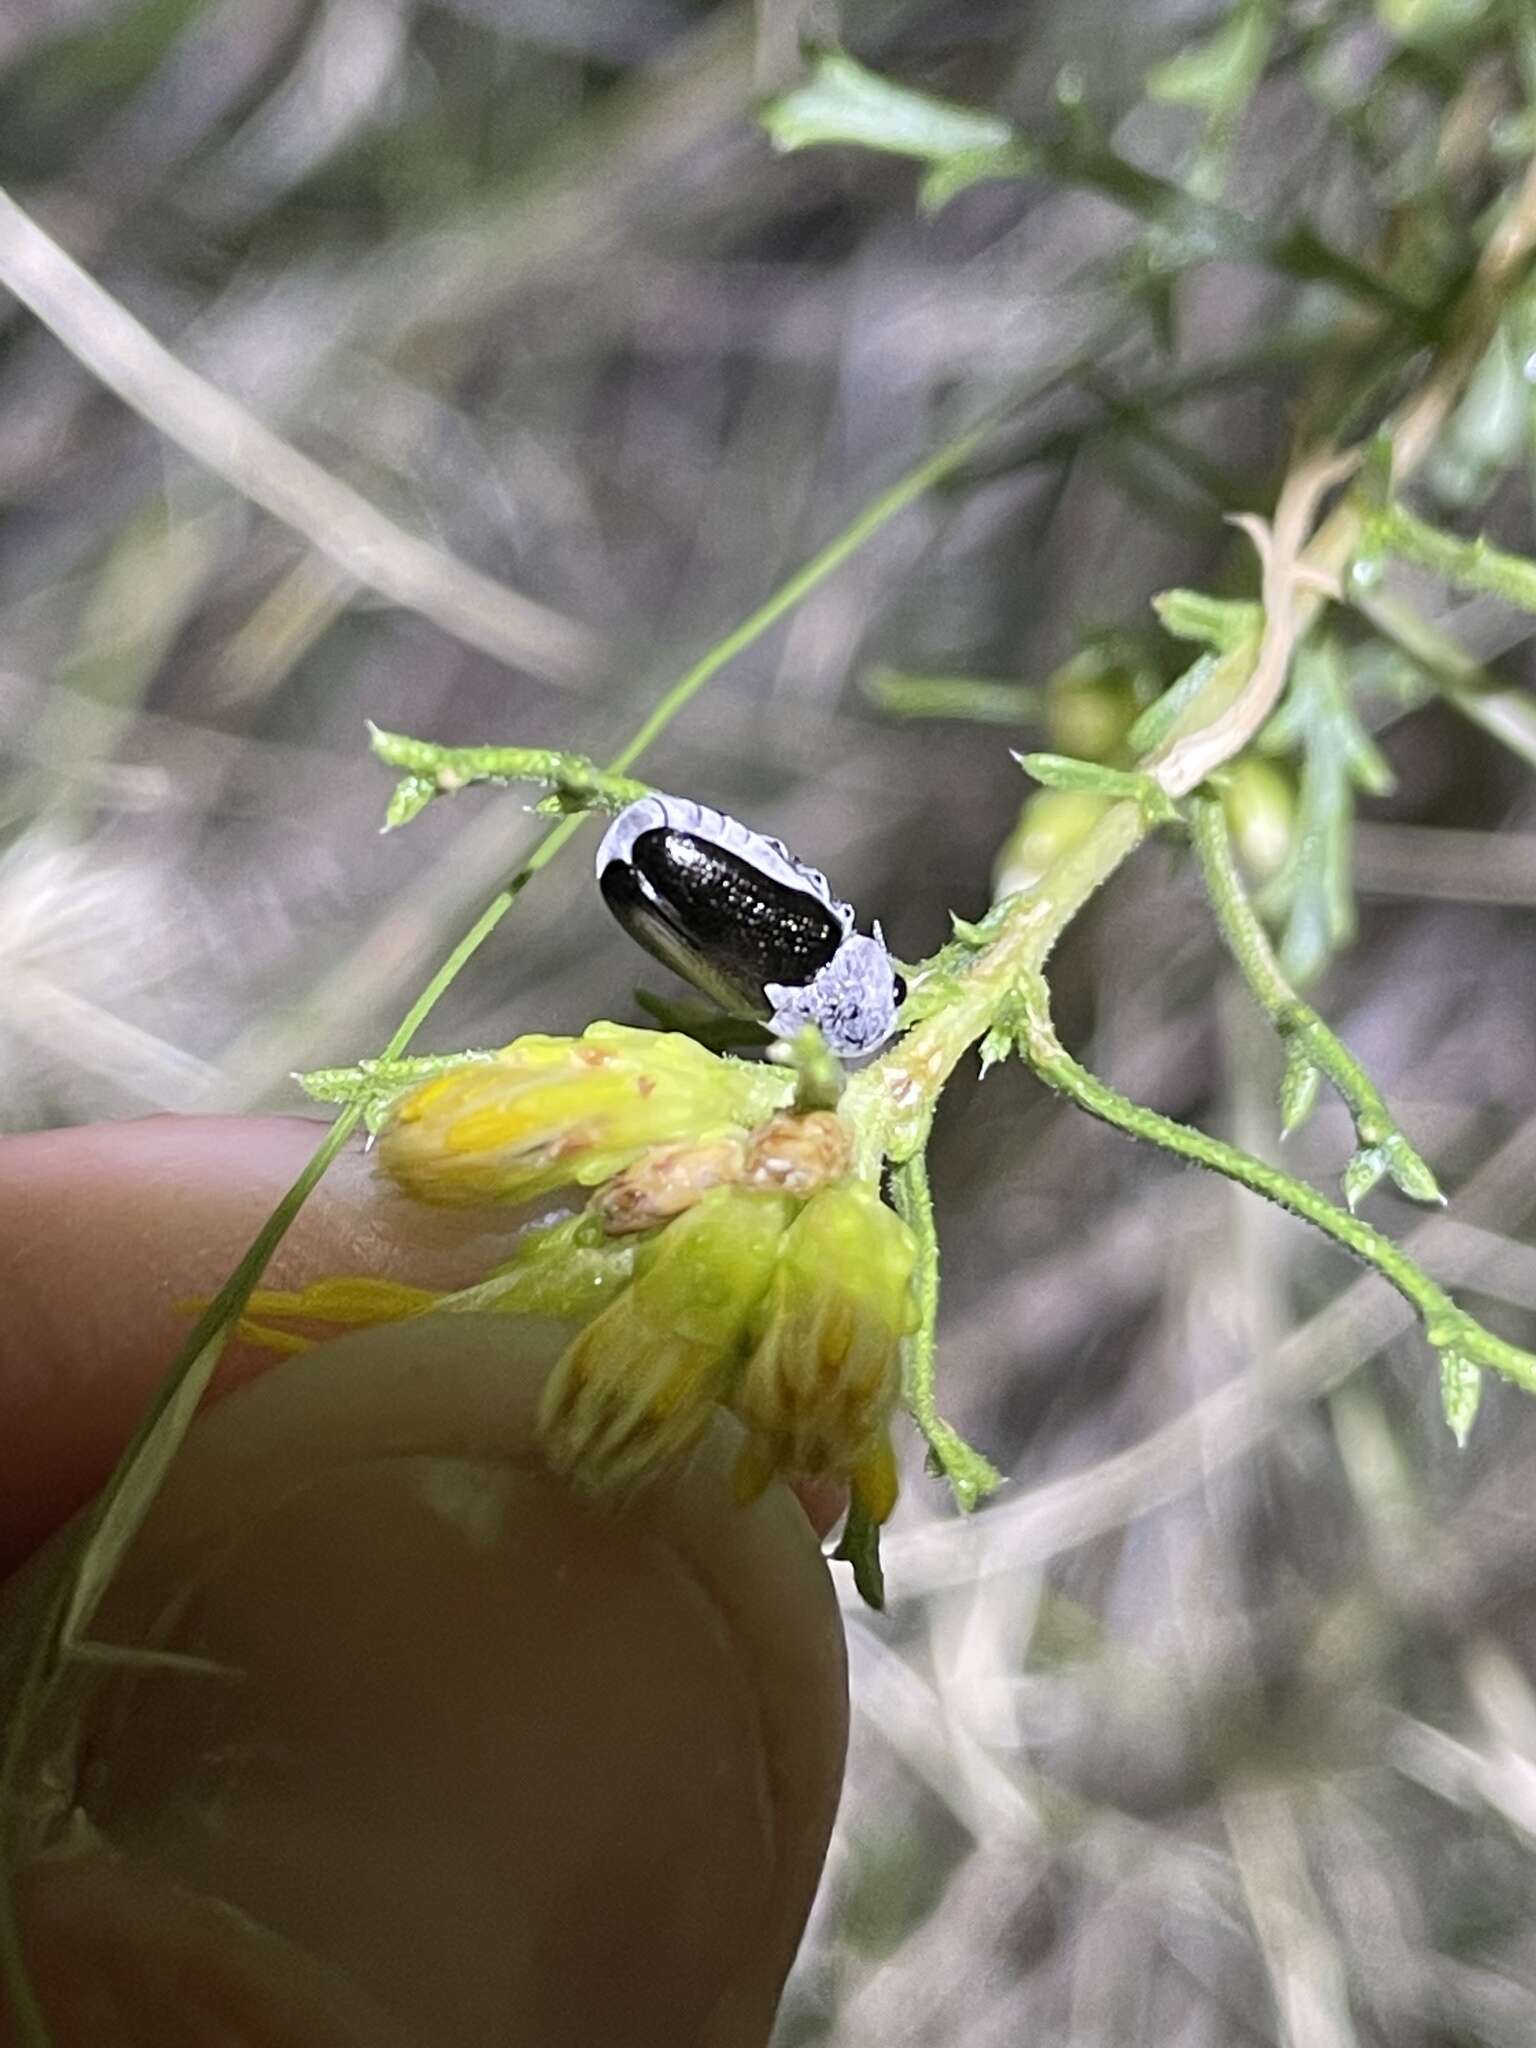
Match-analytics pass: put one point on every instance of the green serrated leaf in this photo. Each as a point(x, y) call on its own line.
point(1298, 1090)
point(1461, 1391)
point(843, 102)
point(860, 1547)
point(412, 795)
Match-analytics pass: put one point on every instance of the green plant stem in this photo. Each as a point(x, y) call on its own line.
point(970, 1476)
point(431, 770)
point(980, 700)
point(1312, 1048)
point(1449, 1328)
point(1474, 564)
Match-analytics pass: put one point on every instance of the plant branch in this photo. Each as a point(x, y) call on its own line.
point(1464, 1345)
point(891, 1100)
point(970, 1475)
point(576, 783)
point(1312, 1050)
point(1474, 564)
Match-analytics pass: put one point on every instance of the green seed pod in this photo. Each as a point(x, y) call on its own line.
point(1051, 823)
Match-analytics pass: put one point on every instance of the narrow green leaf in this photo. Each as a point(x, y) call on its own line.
point(999, 1044)
point(843, 102)
point(1298, 1089)
point(1474, 564)
point(1161, 716)
point(1313, 892)
point(979, 699)
point(411, 796)
point(1221, 623)
point(970, 935)
point(955, 174)
point(1362, 1174)
point(970, 1475)
point(1061, 771)
point(1461, 1392)
point(1219, 71)
point(1408, 1171)
point(860, 1547)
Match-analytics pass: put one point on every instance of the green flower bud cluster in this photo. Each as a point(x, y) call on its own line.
point(789, 1314)
point(725, 1258)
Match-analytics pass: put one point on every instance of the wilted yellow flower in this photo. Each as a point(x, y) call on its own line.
point(792, 1154)
point(548, 1112)
point(822, 1381)
point(637, 1385)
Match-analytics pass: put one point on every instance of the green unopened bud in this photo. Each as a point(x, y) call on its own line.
point(822, 1382)
point(1051, 823)
point(1092, 703)
point(1259, 799)
point(637, 1385)
point(548, 1112)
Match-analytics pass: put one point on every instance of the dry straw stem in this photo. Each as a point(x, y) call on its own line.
point(217, 432)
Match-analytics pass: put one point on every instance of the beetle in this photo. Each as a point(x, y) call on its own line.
point(743, 919)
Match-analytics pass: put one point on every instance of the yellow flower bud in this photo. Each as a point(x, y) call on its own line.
point(547, 1112)
point(820, 1386)
point(639, 1382)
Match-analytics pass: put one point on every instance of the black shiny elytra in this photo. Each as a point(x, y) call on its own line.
point(736, 914)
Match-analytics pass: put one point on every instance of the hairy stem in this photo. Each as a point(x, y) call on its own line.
point(1474, 564)
point(1312, 1048)
point(1449, 1328)
point(970, 1475)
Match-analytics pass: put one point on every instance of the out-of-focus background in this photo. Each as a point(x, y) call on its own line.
point(1219, 1724)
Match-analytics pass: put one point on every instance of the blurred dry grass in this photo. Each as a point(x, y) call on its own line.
point(1219, 1725)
